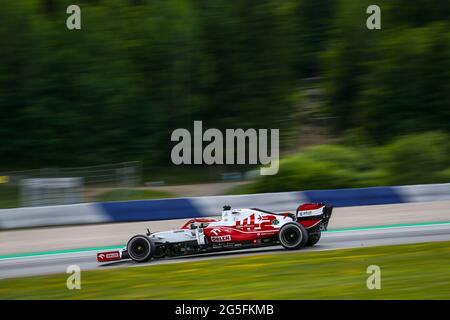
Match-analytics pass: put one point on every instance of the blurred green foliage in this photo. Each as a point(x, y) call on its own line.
point(418, 158)
point(412, 159)
point(138, 69)
point(395, 80)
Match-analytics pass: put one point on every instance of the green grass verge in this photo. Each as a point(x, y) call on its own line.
point(418, 271)
point(242, 189)
point(132, 194)
point(175, 175)
point(9, 196)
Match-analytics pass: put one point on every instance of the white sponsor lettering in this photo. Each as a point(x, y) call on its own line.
point(221, 238)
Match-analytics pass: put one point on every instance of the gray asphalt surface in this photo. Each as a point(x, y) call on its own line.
point(89, 236)
point(48, 264)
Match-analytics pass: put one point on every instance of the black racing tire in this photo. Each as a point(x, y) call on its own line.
point(293, 236)
point(140, 248)
point(313, 239)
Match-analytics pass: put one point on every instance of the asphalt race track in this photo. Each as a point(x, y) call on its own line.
point(45, 239)
point(359, 237)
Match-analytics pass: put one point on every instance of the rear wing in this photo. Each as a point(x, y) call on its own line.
point(313, 214)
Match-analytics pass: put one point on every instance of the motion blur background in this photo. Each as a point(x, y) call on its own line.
point(355, 107)
point(86, 118)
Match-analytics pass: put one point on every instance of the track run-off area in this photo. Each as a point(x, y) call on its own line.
point(50, 250)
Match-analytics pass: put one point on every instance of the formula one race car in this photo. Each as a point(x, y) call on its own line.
point(237, 229)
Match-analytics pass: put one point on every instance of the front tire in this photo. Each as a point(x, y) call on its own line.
point(293, 236)
point(140, 248)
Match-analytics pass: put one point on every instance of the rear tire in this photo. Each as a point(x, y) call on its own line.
point(313, 239)
point(293, 236)
point(140, 248)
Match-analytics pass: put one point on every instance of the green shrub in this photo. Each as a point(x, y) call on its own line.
point(322, 167)
point(299, 172)
point(342, 156)
point(419, 158)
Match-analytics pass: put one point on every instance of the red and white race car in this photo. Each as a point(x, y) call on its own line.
point(238, 228)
